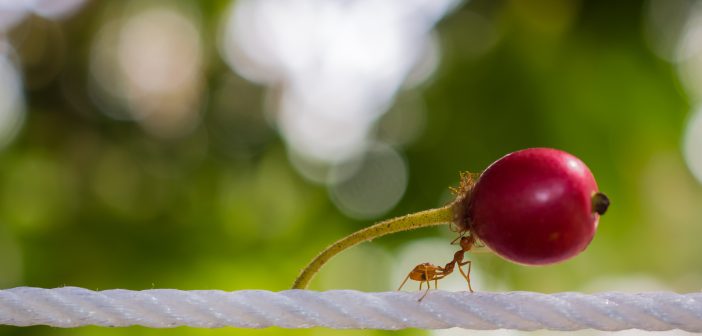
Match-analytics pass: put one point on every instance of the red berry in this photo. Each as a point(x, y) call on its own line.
point(535, 206)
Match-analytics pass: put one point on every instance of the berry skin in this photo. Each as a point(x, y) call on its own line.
point(536, 206)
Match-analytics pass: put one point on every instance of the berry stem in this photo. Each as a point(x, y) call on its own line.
point(443, 215)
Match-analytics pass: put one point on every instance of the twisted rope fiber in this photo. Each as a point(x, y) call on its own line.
point(164, 308)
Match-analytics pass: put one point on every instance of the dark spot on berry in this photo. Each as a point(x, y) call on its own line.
point(600, 203)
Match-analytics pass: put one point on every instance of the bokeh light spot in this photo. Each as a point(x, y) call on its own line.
point(149, 65)
point(375, 184)
point(338, 64)
point(56, 9)
point(692, 145)
point(11, 101)
point(368, 264)
point(688, 53)
point(665, 21)
point(12, 12)
point(404, 122)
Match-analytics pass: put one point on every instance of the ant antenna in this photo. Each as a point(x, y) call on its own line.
point(461, 235)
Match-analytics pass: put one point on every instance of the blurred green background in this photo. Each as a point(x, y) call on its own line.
point(221, 145)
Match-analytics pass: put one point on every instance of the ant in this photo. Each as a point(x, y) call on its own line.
point(427, 272)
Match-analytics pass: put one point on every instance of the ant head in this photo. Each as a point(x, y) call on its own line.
point(467, 242)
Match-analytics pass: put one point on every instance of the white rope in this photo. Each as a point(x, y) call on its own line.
point(163, 308)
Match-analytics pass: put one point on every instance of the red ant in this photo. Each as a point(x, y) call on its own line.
point(427, 272)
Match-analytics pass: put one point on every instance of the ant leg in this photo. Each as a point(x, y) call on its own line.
point(404, 281)
point(469, 263)
point(466, 275)
point(425, 292)
point(426, 278)
point(442, 274)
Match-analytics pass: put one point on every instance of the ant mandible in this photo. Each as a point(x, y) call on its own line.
point(427, 272)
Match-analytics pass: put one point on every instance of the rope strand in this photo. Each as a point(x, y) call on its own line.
point(164, 308)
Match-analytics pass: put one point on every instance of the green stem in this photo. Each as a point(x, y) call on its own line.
point(413, 221)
